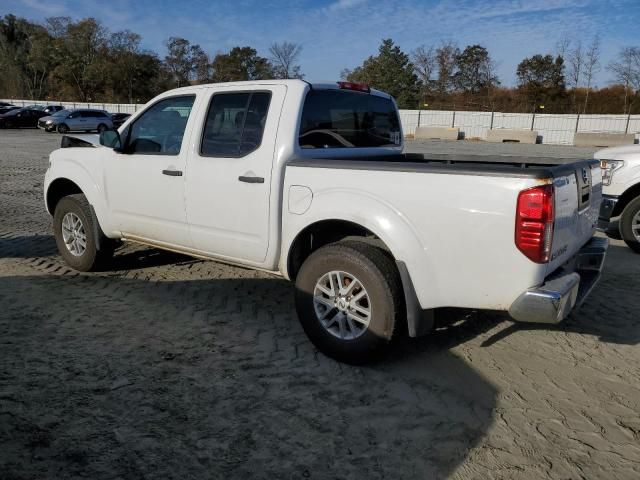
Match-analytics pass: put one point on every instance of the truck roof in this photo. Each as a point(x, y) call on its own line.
point(294, 82)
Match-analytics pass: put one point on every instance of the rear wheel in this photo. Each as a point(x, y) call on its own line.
point(75, 234)
point(63, 128)
point(101, 128)
point(349, 299)
point(630, 225)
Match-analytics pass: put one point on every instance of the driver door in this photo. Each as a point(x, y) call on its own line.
point(145, 183)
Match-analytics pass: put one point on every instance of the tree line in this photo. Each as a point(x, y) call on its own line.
point(81, 60)
point(450, 78)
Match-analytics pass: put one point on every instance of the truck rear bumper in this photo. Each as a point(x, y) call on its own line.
point(564, 290)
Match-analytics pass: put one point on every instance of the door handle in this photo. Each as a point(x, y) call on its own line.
point(245, 179)
point(172, 173)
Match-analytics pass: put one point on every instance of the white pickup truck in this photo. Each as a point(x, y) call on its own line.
point(620, 211)
point(309, 182)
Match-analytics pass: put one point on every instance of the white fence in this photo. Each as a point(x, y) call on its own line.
point(109, 107)
point(554, 129)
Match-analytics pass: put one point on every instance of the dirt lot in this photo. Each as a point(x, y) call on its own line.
point(171, 368)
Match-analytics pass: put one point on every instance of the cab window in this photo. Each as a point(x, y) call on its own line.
point(235, 124)
point(160, 129)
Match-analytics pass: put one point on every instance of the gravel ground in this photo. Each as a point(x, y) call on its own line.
point(167, 367)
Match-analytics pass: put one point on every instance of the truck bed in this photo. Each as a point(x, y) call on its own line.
point(499, 165)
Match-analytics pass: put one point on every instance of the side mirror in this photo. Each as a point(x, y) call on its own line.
point(111, 139)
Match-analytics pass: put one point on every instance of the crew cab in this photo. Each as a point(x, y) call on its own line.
point(620, 211)
point(310, 182)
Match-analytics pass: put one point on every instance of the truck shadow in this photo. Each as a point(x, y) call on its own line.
point(105, 376)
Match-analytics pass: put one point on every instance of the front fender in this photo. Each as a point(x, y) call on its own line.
point(85, 174)
point(377, 216)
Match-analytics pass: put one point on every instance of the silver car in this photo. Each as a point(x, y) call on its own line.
point(80, 119)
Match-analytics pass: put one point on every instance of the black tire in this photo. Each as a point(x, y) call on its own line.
point(92, 258)
point(631, 211)
point(63, 128)
point(377, 273)
point(102, 127)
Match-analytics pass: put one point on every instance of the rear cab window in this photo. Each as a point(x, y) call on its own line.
point(347, 119)
point(235, 124)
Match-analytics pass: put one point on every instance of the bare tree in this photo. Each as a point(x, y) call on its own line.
point(591, 66)
point(284, 57)
point(626, 71)
point(424, 61)
point(562, 46)
point(446, 61)
point(576, 64)
point(57, 26)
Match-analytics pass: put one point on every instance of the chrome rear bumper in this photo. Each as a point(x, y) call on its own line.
point(565, 290)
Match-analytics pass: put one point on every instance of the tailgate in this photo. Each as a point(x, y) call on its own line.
point(578, 193)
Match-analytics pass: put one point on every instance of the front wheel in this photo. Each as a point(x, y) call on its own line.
point(75, 234)
point(62, 128)
point(630, 225)
point(349, 300)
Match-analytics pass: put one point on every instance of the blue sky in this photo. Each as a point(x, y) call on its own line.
point(337, 34)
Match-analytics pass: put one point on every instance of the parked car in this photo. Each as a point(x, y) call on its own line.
point(309, 182)
point(6, 109)
point(119, 118)
point(5, 104)
point(620, 211)
point(21, 118)
point(51, 109)
point(77, 120)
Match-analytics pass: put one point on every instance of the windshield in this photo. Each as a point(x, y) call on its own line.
point(61, 113)
point(346, 119)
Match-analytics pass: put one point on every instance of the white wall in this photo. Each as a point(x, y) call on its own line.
point(554, 129)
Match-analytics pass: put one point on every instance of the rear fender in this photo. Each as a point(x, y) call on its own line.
point(380, 218)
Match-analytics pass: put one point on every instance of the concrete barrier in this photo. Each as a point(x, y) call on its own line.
point(437, 133)
point(590, 139)
point(501, 135)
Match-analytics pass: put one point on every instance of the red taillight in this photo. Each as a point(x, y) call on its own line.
point(534, 223)
point(358, 87)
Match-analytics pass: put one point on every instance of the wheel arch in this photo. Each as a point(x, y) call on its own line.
point(69, 177)
point(58, 189)
point(327, 230)
point(624, 200)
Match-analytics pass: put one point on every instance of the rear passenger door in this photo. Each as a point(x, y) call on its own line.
point(74, 120)
point(228, 182)
point(88, 120)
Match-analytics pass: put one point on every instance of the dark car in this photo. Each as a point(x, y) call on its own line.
point(21, 118)
point(8, 108)
point(5, 104)
point(119, 118)
point(51, 109)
